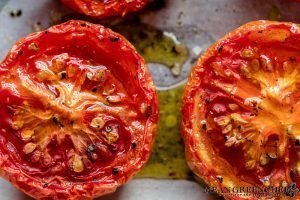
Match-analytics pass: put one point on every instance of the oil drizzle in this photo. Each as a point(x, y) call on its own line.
point(154, 45)
point(168, 159)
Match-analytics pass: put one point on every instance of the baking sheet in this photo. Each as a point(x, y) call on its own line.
point(196, 23)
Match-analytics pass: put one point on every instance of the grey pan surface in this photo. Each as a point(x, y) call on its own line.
point(211, 18)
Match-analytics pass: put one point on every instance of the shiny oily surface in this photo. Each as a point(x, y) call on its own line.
point(241, 108)
point(78, 112)
point(177, 16)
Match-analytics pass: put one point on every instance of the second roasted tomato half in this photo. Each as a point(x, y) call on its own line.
point(105, 8)
point(241, 111)
point(78, 112)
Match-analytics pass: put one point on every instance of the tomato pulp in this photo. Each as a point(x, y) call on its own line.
point(241, 110)
point(103, 8)
point(78, 112)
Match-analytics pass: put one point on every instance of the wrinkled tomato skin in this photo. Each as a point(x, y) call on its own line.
point(68, 176)
point(209, 154)
point(102, 9)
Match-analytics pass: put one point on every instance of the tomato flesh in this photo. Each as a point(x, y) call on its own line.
point(241, 108)
point(103, 8)
point(73, 101)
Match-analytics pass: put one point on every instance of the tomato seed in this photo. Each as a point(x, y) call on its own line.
point(77, 164)
point(114, 99)
point(264, 159)
point(27, 134)
point(33, 47)
point(29, 148)
point(112, 137)
point(247, 53)
point(98, 123)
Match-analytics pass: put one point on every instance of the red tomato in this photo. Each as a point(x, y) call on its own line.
point(105, 8)
point(241, 109)
point(78, 112)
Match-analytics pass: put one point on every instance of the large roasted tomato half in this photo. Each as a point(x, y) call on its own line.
point(241, 110)
point(78, 112)
point(105, 8)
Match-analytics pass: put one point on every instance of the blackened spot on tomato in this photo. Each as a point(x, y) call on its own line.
point(292, 174)
point(115, 171)
point(91, 151)
point(297, 142)
point(114, 39)
point(204, 127)
point(20, 53)
point(148, 112)
point(293, 59)
point(208, 101)
point(94, 89)
point(260, 31)
point(133, 145)
point(56, 120)
point(226, 137)
point(45, 185)
point(63, 75)
point(220, 179)
point(46, 32)
point(83, 24)
point(220, 49)
point(292, 109)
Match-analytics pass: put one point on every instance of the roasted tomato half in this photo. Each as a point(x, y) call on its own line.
point(105, 8)
point(78, 112)
point(241, 111)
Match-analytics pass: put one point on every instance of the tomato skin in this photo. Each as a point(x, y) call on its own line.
point(87, 41)
point(100, 9)
point(205, 155)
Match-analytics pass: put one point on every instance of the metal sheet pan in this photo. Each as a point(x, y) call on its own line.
point(196, 23)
